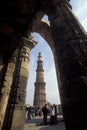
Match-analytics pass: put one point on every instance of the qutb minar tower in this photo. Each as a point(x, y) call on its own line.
point(39, 94)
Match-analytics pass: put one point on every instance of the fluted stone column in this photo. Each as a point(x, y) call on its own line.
point(70, 41)
point(21, 77)
point(5, 91)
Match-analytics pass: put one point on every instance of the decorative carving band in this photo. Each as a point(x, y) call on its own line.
point(20, 107)
point(28, 43)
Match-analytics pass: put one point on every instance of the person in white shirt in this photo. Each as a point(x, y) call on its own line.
point(52, 115)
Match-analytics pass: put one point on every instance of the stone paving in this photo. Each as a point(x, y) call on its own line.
point(60, 126)
point(36, 124)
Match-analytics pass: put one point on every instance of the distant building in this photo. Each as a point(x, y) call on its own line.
point(39, 93)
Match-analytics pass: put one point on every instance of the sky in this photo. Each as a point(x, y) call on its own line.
point(79, 8)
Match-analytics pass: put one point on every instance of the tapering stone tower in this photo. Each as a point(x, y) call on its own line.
point(39, 94)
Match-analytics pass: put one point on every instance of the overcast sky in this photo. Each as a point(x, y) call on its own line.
point(79, 7)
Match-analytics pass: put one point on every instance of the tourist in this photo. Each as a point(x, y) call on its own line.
point(27, 107)
point(45, 113)
point(55, 118)
point(40, 113)
point(52, 115)
point(29, 113)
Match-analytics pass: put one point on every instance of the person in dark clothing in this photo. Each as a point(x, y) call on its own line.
point(45, 112)
point(56, 121)
point(29, 113)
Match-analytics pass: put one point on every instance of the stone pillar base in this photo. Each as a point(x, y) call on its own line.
point(18, 118)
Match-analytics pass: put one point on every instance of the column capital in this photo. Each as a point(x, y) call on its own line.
point(27, 42)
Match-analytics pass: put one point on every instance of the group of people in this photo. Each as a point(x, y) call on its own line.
point(53, 114)
point(45, 111)
point(32, 112)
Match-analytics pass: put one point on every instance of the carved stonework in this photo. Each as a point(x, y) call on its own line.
point(23, 67)
point(25, 53)
point(5, 92)
point(21, 92)
point(21, 77)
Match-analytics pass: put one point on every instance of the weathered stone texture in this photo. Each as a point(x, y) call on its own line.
point(6, 91)
point(21, 77)
point(70, 46)
point(19, 114)
point(24, 72)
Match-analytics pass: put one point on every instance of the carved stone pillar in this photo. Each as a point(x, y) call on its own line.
point(70, 41)
point(21, 77)
point(5, 91)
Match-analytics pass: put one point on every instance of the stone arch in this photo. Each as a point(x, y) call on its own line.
point(43, 29)
point(70, 43)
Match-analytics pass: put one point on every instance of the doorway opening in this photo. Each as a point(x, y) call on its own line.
point(50, 77)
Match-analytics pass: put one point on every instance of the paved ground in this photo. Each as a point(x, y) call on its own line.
point(36, 124)
point(55, 127)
